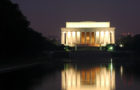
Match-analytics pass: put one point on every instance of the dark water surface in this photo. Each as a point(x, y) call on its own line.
point(74, 76)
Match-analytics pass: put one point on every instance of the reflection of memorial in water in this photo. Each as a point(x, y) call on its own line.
point(94, 78)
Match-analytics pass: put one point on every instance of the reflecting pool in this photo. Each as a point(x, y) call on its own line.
point(74, 76)
point(105, 76)
point(91, 78)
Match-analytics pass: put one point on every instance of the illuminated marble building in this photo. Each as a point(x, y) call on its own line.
point(87, 33)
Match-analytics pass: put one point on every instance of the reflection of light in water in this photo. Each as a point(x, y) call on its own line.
point(95, 78)
point(111, 65)
point(121, 71)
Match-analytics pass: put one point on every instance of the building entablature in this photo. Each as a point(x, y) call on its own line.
point(87, 29)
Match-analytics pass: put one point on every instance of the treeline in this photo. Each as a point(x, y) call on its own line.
point(130, 43)
point(19, 39)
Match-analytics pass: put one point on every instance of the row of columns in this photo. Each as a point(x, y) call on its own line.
point(102, 37)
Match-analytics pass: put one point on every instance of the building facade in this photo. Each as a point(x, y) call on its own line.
point(87, 34)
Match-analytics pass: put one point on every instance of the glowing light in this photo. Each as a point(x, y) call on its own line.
point(87, 38)
point(121, 45)
point(66, 48)
point(87, 24)
point(110, 48)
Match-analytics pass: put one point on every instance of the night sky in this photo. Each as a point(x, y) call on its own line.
point(48, 16)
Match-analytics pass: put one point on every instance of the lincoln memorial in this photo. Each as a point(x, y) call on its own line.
point(87, 33)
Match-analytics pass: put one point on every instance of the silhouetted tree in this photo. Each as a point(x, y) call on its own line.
point(136, 43)
point(20, 39)
point(126, 41)
point(130, 43)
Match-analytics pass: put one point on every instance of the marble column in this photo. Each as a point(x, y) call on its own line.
point(90, 37)
point(67, 38)
point(97, 37)
point(71, 38)
point(103, 38)
point(80, 37)
point(113, 37)
point(76, 38)
point(109, 37)
point(94, 37)
point(85, 38)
